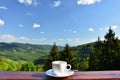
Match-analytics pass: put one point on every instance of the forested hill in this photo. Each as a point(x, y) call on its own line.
point(30, 52)
point(17, 47)
point(83, 51)
point(19, 53)
point(24, 51)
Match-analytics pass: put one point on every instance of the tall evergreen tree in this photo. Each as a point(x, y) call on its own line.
point(54, 53)
point(67, 55)
point(53, 56)
point(94, 61)
point(106, 55)
point(111, 51)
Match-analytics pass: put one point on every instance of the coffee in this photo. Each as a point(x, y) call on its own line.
point(60, 67)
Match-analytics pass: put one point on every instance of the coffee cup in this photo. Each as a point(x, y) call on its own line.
point(60, 67)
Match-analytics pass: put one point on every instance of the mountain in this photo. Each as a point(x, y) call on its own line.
point(24, 51)
point(83, 51)
point(30, 52)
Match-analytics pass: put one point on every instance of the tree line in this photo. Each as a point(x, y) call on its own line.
point(65, 55)
point(106, 53)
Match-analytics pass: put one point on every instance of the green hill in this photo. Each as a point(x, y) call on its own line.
point(30, 52)
point(83, 51)
point(25, 52)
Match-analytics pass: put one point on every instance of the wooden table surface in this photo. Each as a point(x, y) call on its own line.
point(79, 75)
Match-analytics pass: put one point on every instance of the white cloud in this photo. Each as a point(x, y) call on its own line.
point(56, 3)
point(70, 41)
point(23, 38)
point(12, 38)
point(8, 37)
point(42, 39)
point(42, 32)
point(20, 25)
point(87, 2)
point(74, 31)
point(91, 29)
point(29, 2)
point(106, 28)
point(114, 27)
point(35, 25)
point(26, 2)
point(3, 7)
point(2, 22)
point(77, 41)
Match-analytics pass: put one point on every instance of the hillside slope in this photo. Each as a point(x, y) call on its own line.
point(26, 52)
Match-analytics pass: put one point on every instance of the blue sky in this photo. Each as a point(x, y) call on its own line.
point(74, 22)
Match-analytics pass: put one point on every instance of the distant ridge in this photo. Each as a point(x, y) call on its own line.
point(24, 51)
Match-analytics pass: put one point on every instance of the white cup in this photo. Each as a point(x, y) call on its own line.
point(60, 67)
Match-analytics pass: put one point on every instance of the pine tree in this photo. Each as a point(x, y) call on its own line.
point(53, 56)
point(54, 53)
point(111, 51)
point(67, 55)
point(106, 55)
point(94, 61)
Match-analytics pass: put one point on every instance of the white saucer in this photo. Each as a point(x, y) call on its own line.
point(52, 74)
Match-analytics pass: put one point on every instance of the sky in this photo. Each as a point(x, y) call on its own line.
point(75, 22)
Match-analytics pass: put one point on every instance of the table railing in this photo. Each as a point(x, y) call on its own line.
point(78, 75)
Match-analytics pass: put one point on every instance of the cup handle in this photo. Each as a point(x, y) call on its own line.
point(69, 67)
